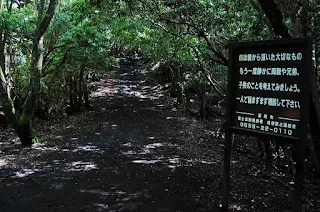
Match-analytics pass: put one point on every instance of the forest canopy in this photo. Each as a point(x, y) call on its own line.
point(50, 49)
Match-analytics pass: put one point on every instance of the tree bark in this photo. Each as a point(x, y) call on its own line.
point(289, 5)
point(35, 69)
point(202, 101)
point(274, 15)
point(22, 124)
point(86, 96)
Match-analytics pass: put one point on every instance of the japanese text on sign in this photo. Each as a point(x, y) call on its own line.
point(271, 57)
point(267, 81)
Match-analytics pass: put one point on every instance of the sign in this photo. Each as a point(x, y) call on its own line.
point(268, 95)
point(269, 86)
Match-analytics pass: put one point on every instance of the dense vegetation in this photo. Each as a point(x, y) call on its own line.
point(49, 50)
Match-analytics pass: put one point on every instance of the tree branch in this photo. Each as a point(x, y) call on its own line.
point(47, 19)
point(201, 34)
point(214, 83)
point(212, 48)
point(275, 17)
point(53, 49)
point(63, 60)
point(293, 18)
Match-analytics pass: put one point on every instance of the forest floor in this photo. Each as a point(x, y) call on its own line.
point(134, 150)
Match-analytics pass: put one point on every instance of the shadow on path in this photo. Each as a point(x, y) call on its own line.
point(123, 155)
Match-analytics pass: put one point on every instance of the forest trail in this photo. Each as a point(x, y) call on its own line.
point(124, 154)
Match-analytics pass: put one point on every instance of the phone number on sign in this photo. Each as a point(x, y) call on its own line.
point(276, 130)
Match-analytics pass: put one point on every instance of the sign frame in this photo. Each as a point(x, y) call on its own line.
point(301, 138)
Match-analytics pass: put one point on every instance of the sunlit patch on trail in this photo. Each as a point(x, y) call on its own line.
point(139, 152)
point(125, 74)
point(103, 193)
point(151, 154)
point(130, 152)
point(235, 207)
point(126, 88)
point(100, 206)
point(127, 144)
point(154, 153)
point(154, 145)
point(121, 195)
point(3, 162)
point(125, 201)
point(146, 161)
point(146, 149)
point(24, 172)
point(104, 91)
point(174, 160)
point(207, 162)
point(87, 148)
point(57, 186)
point(80, 166)
point(171, 163)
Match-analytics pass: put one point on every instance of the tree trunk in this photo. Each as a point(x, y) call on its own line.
point(83, 87)
point(83, 90)
point(71, 95)
point(86, 96)
point(3, 121)
point(301, 29)
point(81, 82)
point(179, 86)
point(274, 15)
point(202, 101)
point(25, 133)
point(22, 124)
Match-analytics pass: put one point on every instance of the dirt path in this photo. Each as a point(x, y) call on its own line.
point(134, 151)
point(123, 155)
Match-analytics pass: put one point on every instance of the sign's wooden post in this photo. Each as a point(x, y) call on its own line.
point(226, 171)
point(299, 177)
point(268, 95)
point(227, 142)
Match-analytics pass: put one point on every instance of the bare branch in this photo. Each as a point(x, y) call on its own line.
point(52, 50)
point(212, 48)
point(63, 60)
point(214, 83)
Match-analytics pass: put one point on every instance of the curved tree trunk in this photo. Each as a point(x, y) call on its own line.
point(301, 27)
point(22, 124)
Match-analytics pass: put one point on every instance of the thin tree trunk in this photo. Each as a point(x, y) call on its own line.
point(83, 88)
point(301, 29)
point(202, 101)
point(82, 85)
point(22, 125)
point(274, 15)
point(86, 95)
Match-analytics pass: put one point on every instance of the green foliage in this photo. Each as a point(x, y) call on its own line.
point(35, 140)
point(191, 34)
point(47, 144)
